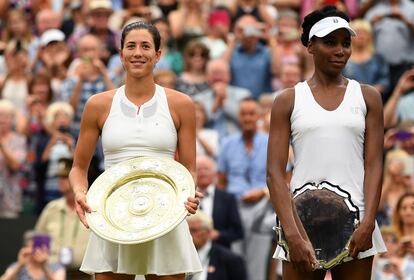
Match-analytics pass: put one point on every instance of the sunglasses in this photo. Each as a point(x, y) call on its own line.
point(197, 53)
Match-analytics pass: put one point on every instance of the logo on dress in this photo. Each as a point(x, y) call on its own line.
point(355, 110)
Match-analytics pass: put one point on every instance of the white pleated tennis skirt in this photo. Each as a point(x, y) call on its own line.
point(378, 246)
point(173, 253)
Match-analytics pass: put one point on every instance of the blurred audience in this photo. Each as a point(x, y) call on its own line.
point(60, 221)
point(400, 104)
point(87, 75)
point(393, 33)
point(365, 65)
point(193, 80)
point(218, 204)
point(171, 58)
point(12, 155)
point(250, 61)
point(33, 262)
point(219, 263)
point(221, 100)
point(219, 23)
point(188, 22)
point(207, 139)
point(53, 143)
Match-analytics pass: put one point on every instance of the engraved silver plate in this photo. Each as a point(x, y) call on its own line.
point(139, 200)
point(329, 217)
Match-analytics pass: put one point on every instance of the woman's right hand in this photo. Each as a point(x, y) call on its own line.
point(23, 256)
point(302, 255)
point(82, 206)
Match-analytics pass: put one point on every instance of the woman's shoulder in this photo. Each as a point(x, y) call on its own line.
point(371, 95)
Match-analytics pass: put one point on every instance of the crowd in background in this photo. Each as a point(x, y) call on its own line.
point(232, 57)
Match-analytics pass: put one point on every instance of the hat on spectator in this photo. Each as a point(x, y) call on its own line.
point(218, 17)
point(64, 166)
point(100, 4)
point(52, 35)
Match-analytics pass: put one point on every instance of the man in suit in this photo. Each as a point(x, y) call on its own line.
point(219, 263)
point(220, 205)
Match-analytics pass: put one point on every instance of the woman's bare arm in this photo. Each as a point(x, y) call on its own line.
point(85, 148)
point(301, 252)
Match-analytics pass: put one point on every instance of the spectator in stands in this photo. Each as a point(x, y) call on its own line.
point(193, 79)
point(221, 100)
point(403, 223)
point(99, 12)
point(250, 60)
point(290, 75)
point(388, 265)
point(134, 8)
point(87, 76)
point(32, 263)
point(403, 217)
point(53, 58)
point(170, 58)
point(393, 31)
point(39, 98)
point(165, 78)
point(260, 10)
point(218, 204)
point(75, 19)
point(17, 29)
point(12, 155)
point(242, 172)
point(365, 65)
point(188, 22)
point(219, 263)
point(219, 23)
point(45, 19)
point(60, 221)
point(397, 181)
point(167, 6)
point(207, 139)
point(288, 49)
point(14, 86)
point(54, 143)
point(399, 106)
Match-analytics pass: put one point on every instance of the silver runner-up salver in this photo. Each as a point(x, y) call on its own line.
point(139, 200)
point(329, 217)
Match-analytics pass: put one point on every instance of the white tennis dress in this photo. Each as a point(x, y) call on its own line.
point(329, 146)
point(128, 132)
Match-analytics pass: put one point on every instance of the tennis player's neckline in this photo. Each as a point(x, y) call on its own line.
point(146, 103)
point(323, 108)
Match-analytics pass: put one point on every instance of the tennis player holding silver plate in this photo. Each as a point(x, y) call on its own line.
point(335, 126)
point(138, 119)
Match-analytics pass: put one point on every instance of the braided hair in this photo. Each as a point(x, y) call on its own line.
point(317, 15)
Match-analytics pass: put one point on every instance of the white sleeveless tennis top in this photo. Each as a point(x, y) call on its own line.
point(131, 131)
point(329, 145)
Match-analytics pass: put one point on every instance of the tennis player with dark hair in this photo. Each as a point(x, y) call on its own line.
point(336, 128)
point(138, 119)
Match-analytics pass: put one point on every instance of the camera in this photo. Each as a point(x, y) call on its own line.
point(64, 129)
point(251, 31)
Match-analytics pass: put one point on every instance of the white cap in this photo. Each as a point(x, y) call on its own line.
point(51, 35)
point(100, 4)
point(328, 25)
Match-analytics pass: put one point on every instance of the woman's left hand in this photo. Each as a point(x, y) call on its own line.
point(192, 203)
point(361, 239)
